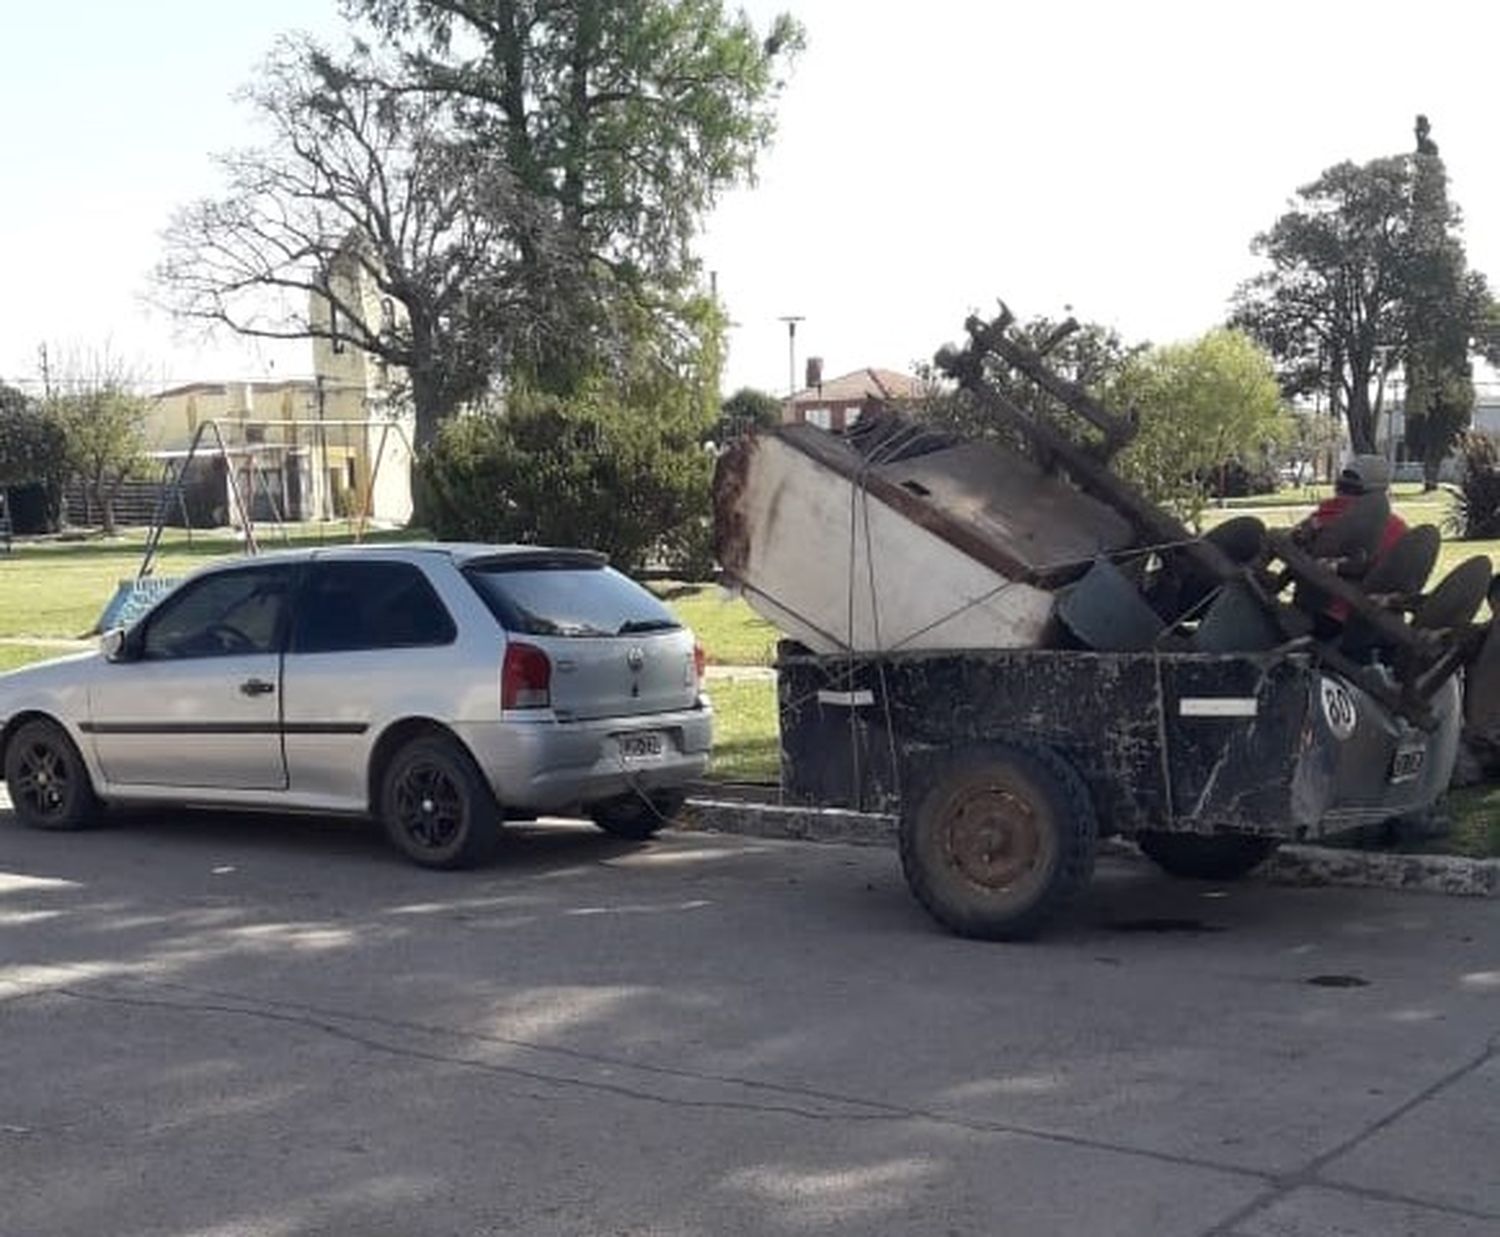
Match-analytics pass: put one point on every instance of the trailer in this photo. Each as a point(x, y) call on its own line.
point(1012, 651)
point(1005, 768)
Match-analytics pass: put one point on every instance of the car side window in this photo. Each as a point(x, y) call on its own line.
point(227, 614)
point(343, 607)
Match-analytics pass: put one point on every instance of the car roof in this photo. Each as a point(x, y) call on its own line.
point(463, 553)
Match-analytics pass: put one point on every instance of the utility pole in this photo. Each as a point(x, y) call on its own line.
point(791, 321)
point(325, 505)
point(46, 372)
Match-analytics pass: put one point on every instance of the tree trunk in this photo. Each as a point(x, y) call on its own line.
point(428, 411)
point(105, 501)
point(1361, 421)
point(425, 413)
point(1431, 467)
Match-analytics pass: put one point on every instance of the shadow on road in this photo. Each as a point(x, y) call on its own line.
point(525, 846)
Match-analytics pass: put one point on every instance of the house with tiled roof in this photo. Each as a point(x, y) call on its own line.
point(838, 402)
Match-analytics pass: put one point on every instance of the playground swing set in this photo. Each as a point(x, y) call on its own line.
point(245, 480)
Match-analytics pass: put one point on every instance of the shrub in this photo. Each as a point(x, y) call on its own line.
point(1476, 513)
point(576, 472)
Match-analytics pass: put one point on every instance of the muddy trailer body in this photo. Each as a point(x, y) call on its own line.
point(1005, 767)
point(1004, 643)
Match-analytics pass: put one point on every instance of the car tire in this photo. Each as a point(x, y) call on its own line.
point(998, 840)
point(436, 806)
point(47, 780)
point(638, 815)
point(1199, 857)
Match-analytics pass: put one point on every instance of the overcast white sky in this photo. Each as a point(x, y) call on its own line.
point(1109, 156)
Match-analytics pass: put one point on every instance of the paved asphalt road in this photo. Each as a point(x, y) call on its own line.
point(217, 1026)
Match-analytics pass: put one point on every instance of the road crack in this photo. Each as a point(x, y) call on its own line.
point(1310, 1174)
point(815, 1104)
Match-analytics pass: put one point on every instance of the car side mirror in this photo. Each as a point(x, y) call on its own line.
point(114, 645)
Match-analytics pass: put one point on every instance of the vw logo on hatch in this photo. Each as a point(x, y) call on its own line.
point(636, 658)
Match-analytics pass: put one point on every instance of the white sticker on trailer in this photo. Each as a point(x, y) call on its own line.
point(849, 700)
point(1217, 706)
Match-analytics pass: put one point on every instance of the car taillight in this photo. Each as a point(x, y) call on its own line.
point(700, 661)
point(525, 678)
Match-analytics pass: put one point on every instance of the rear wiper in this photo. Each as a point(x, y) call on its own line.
point(633, 626)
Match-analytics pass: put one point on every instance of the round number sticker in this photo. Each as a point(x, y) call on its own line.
point(1338, 708)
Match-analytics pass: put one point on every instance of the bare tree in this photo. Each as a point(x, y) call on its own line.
point(362, 220)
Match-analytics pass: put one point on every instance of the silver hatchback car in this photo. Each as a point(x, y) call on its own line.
point(437, 687)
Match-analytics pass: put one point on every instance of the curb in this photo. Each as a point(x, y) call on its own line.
point(1292, 864)
point(1455, 875)
point(789, 824)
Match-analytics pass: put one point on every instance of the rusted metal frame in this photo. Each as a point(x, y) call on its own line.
point(830, 452)
point(1307, 569)
point(968, 369)
point(1424, 660)
point(1408, 705)
point(992, 337)
point(154, 537)
point(1088, 473)
point(1460, 651)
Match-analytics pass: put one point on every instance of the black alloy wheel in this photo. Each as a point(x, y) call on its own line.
point(437, 807)
point(48, 784)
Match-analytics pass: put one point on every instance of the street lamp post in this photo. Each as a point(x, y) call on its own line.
point(791, 321)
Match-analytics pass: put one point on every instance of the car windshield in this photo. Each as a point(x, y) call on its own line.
point(568, 600)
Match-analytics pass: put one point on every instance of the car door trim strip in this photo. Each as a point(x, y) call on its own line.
point(282, 728)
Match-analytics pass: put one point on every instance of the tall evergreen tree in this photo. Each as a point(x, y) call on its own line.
point(1444, 303)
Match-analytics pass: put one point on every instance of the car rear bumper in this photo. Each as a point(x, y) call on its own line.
point(547, 765)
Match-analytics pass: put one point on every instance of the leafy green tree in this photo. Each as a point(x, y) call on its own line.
point(1090, 354)
point(1330, 308)
point(12, 399)
point(747, 409)
point(33, 450)
point(102, 423)
point(624, 118)
point(1200, 406)
point(1367, 274)
point(618, 465)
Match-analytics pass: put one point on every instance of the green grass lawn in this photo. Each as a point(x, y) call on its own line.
point(731, 632)
point(747, 740)
point(1287, 507)
point(57, 590)
point(60, 591)
point(1475, 813)
point(14, 656)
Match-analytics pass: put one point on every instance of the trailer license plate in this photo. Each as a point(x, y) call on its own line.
point(642, 746)
point(1407, 763)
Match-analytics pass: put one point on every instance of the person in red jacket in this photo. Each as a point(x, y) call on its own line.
point(1364, 474)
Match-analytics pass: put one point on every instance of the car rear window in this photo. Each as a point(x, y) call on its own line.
point(345, 607)
point(568, 600)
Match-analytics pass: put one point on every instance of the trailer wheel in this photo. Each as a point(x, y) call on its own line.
point(998, 840)
point(1198, 857)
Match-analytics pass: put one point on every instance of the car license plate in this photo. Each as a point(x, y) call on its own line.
point(641, 746)
point(1407, 763)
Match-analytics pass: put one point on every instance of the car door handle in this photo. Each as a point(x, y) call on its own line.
point(256, 687)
